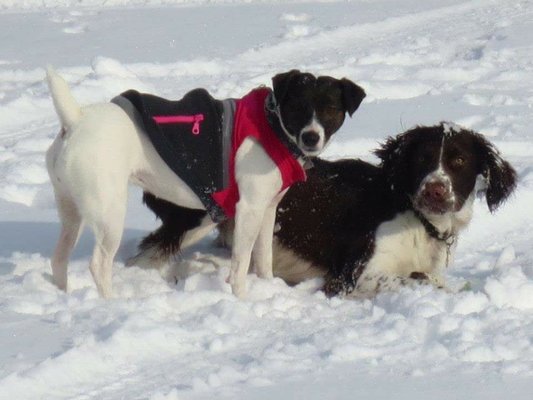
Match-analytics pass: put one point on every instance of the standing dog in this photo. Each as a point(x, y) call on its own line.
point(366, 228)
point(102, 147)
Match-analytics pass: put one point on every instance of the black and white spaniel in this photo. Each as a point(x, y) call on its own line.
point(366, 228)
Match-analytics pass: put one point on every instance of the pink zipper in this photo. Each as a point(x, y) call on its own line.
point(181, 119)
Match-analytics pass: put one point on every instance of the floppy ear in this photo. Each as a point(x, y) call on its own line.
point(498, 173)
point(280, 83)
point(352, 95)
point(392, 153)
point(394, 161)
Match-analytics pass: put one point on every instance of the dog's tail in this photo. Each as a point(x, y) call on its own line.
point(66, 106)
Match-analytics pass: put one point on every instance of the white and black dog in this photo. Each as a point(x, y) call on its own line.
point(366, 228)
point(102, 147)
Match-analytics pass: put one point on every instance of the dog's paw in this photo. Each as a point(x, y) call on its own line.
point(264, 273)
point(336, 287)
point(238, 286)
point(419, 276)
point(239, 290)
point(436, 280)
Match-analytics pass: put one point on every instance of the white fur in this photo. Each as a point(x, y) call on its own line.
point(70, 111)
point(292, 268)
point(402, 246)
point(439, 175)
point(101, 148)
point(316, 126)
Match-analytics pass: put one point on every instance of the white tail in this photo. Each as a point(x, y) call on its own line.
point(67, 108)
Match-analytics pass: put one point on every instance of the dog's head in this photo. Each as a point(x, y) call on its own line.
point(438, 168)
point(312, 109)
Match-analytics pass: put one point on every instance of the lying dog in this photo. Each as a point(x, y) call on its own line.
point(366, 228)
point(264, 139)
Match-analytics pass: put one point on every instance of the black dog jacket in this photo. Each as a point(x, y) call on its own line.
point(192, 136)
point(198, 138)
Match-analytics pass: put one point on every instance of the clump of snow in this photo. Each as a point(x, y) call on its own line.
point(450, 128)
point(298, 31)
point(295, 17)
point(511, 289)
point(506, 257)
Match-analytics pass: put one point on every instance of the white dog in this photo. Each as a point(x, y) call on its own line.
point(102, 147)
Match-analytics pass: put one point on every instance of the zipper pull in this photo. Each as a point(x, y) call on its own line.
point(196, 126)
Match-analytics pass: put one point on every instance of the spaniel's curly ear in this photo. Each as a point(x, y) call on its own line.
point(499, 175)
point(394, 158)
point(388, 152)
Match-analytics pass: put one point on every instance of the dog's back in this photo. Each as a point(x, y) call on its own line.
point(328, 216)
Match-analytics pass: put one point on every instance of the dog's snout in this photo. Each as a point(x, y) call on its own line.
point(310, 138)
point(435, 191)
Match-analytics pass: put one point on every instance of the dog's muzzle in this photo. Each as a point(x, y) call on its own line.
point(310, 141)
point(435, 197)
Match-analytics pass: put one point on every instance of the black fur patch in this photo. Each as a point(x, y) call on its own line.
point(176, 221)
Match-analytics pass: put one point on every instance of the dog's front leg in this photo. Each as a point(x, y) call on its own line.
point(248, 220)
point(259, 183)
point(262, 252)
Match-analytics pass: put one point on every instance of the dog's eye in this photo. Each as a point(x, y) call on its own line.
point(458, 161)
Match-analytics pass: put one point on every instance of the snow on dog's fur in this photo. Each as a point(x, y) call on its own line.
point(102, 147)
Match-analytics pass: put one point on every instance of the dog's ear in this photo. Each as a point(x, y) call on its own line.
point(499, 175)
point(352, 95)
point(393, 152)
point(388, 151)
point(393, 158)
point(280, 83)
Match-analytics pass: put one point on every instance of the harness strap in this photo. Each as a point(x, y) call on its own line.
point(228, 115)
point(274, 119)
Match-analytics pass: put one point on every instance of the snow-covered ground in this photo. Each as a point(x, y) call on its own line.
point(420, 62)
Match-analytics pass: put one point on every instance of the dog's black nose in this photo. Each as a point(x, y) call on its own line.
point(310, 138)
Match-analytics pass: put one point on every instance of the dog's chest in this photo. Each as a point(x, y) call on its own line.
point(402, 246)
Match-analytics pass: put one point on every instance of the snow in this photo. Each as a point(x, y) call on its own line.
point(470, 62)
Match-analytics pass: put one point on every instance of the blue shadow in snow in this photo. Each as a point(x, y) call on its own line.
point(41, 238)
